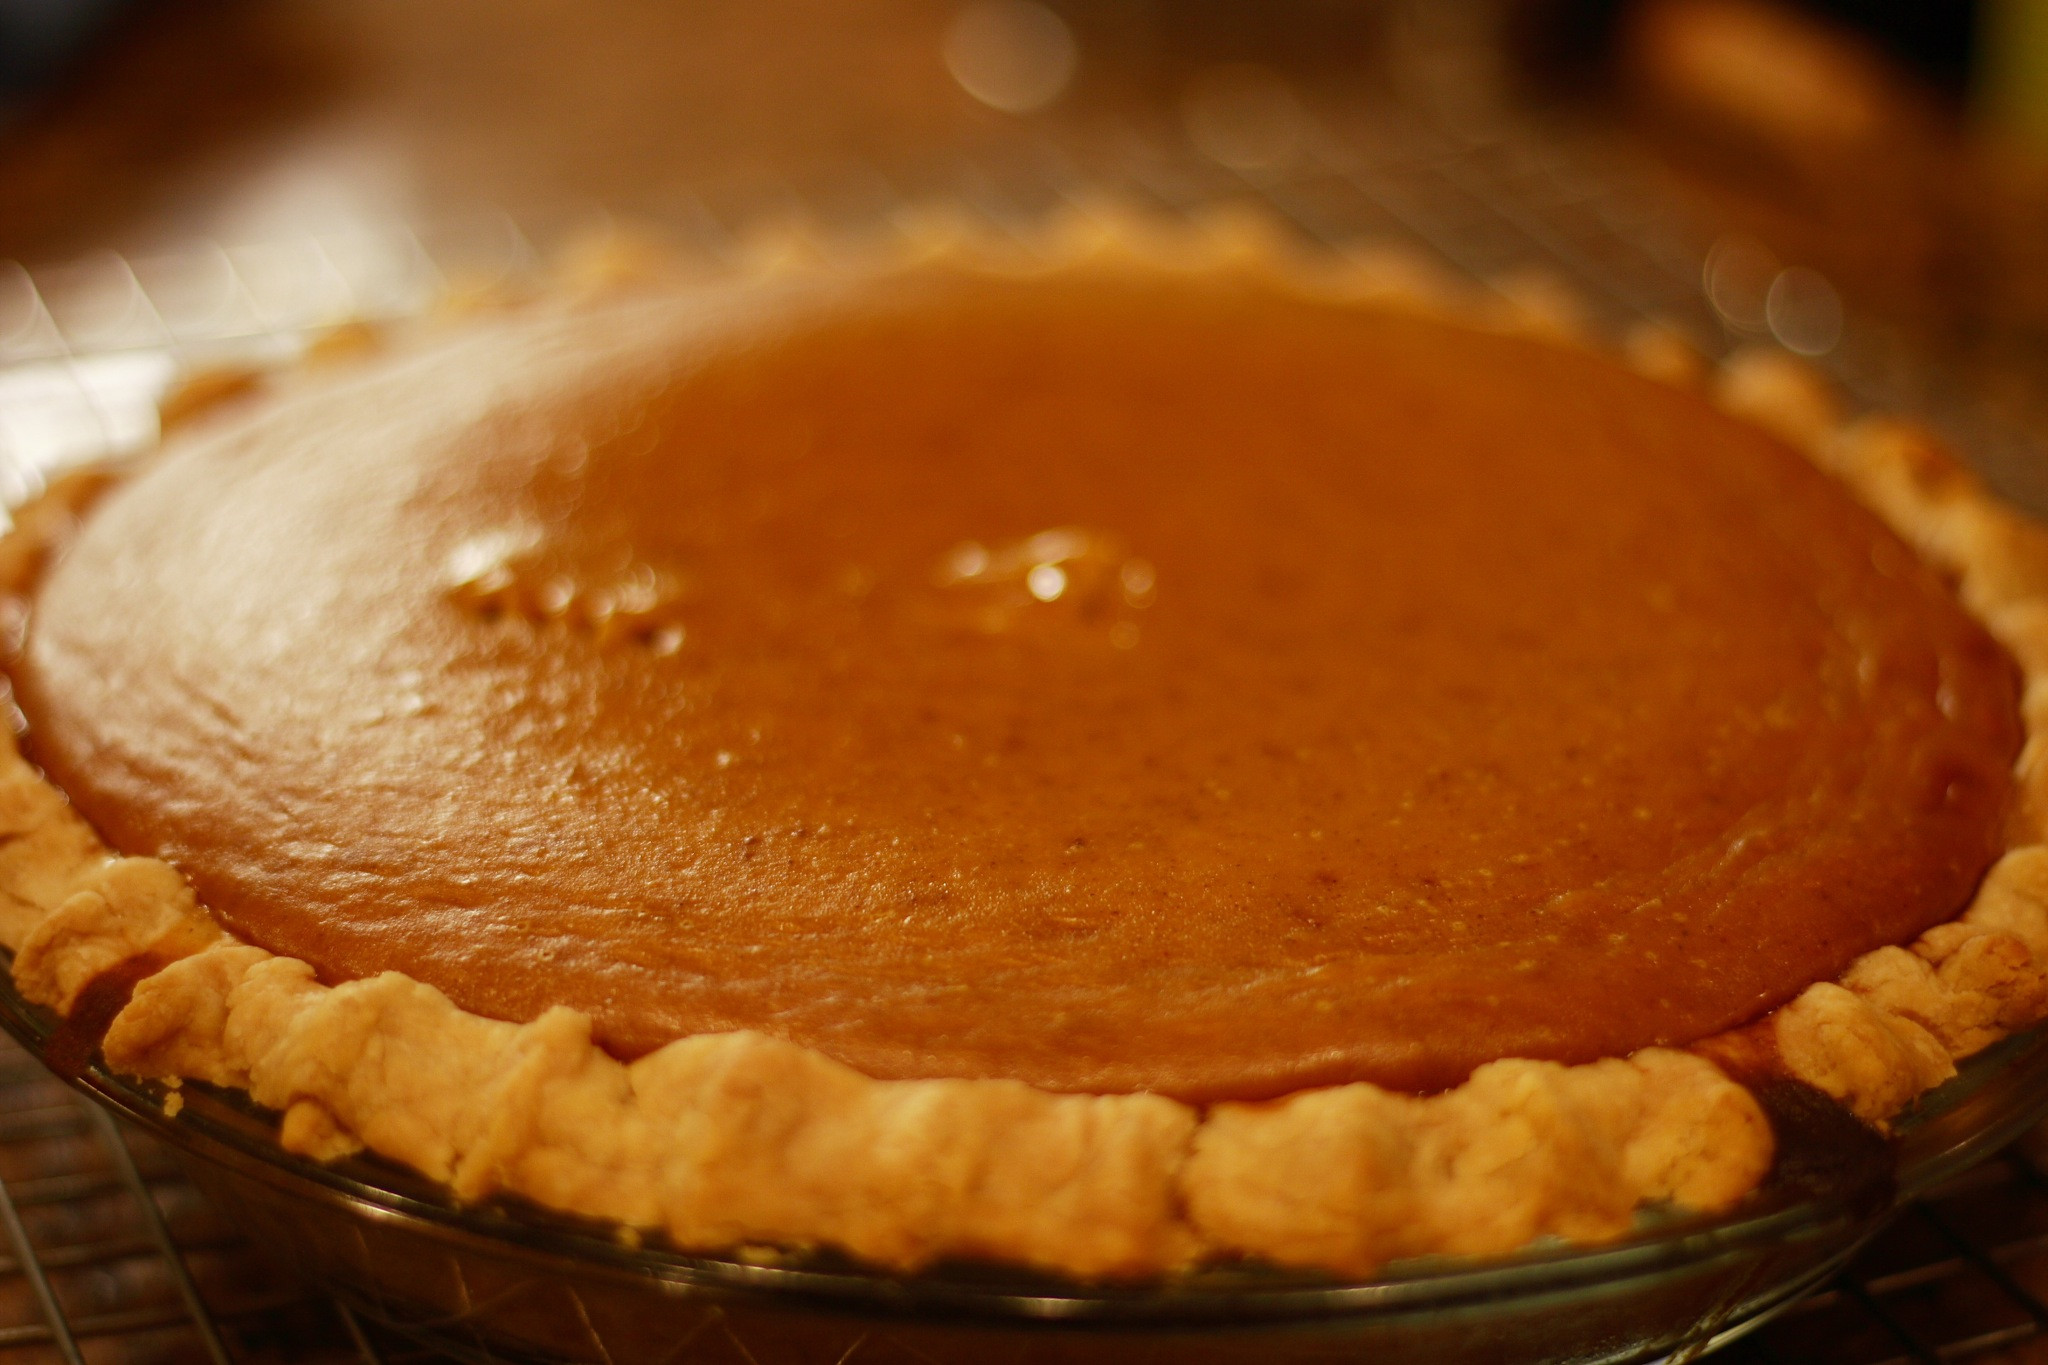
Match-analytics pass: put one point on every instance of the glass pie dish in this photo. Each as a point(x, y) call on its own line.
point(507, 1281)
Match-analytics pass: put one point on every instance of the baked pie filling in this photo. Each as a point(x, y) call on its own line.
point(1024, 717)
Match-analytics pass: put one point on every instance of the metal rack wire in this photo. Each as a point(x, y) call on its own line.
point(114, 1257)
point(110, 1255)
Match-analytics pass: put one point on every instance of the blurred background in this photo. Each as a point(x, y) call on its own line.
point(1880, 160)
point(1898, 146)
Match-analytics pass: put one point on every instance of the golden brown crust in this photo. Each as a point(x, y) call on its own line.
point(735, 1139)
point(1900, 1018)
point(719, 1140)
point(1347, 1178)
point(124, 909)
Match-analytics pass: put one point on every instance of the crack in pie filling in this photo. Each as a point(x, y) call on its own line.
point(1162, 754)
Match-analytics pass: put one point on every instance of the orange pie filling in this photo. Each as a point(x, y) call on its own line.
point(1111, 687)
point(1112, 681)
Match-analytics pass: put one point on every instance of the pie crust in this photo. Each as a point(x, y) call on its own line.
point(732, 1140)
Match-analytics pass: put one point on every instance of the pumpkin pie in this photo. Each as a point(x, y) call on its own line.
point(1142, 750)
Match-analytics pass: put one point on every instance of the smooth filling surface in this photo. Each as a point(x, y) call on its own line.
point(1109, 681)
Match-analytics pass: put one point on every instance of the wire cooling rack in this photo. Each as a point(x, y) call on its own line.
point(113, 1255)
